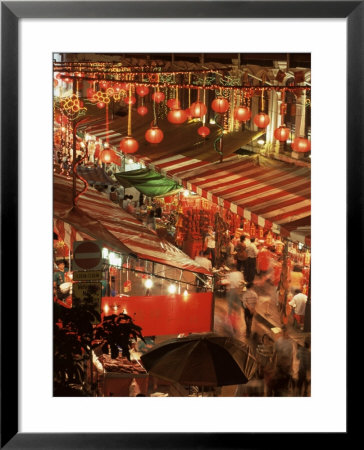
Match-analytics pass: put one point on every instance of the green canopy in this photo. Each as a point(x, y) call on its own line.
point(148, 182)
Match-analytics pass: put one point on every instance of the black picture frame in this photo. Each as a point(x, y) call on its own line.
point(11, 12)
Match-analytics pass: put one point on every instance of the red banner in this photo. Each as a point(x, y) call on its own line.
point(160, 315)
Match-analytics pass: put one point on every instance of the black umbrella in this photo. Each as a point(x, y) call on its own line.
point(205, 359)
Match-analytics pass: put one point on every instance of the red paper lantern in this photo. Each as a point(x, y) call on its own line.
point(261, 120)
point(154, 135)
point(173, 103)
point(142, 91)
point(117, 87)
point(301, 145)
point(100, 105)
point(198, 109)
point(106, 156)
point(281, 133)
point(177, 116)
point(158, 97)
point(242, 113)
point(220, 105)
point(129, 145)
point(203, 131)
point(142, 110)
point(130, 100)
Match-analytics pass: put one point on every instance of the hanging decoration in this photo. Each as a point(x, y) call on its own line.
point(301, 145)
point(129, 144)
point(242, 113)
point(203, 131)
point(142, 91)
point(142, 110)
point(177, 116)
point(281, 133)
point(220, 105)
point(262, 119)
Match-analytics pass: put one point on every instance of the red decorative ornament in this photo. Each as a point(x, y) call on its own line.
point(173, 103)
point(100, 105)
point(261, 120)
point(203, 131)
point(281, 133)
point(242, 113)
point(90, 93)
point(130, 100)
point(198, 109)
point(55, 83)
point(107, 156)
point(177, 116)
point(142, 91)
point(129, 145)
point(104, 84)
point(158, 97)
point(154, 135)
point(117, 87)
point(301, 145)
point(142, 110)
point(220, 105)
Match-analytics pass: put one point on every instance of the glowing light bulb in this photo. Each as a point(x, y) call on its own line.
point(172, 288)
point(148, 283)
point(106, 309)
point(130, 161)
point(185, 293)
point(186, 193)
point(106, 145)
point(261, 142)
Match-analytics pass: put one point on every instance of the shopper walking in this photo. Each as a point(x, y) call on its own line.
point(249, 302)
point(298, 304)
point(235, 282)
point(241, 255)
point(210, 244)
point(251, 261)
point(285, 366)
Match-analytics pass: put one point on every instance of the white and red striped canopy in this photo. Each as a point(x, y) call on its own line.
point(100, 218)
point(276, 198)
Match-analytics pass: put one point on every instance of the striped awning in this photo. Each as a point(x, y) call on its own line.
point(100, 218)
point(276, 197)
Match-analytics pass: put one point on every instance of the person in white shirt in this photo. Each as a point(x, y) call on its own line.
point(251, 262)
point(210, 244)
point(298, 304)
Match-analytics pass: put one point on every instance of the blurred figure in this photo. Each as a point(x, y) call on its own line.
point(296, 278)
point(285, 366)
point(151, 220)
point(298, 304)
point(203, 260)
point(210, 244)
point(250, 299)
point(264, 353)
point(304, 369)
point(235, 281)
point(241, 255)
point(251, 262)
point(230, 252)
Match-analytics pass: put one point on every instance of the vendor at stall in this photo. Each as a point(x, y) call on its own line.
point(210, 244)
